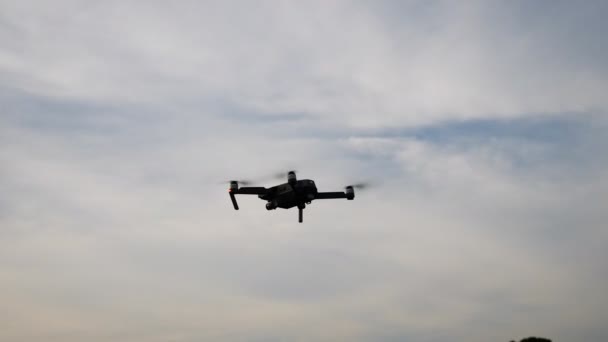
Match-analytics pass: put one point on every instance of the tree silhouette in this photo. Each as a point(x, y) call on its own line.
point(535, 339)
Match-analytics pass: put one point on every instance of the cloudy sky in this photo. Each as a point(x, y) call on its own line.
point(482, 124)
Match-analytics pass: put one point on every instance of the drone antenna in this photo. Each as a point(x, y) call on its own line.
point(300, 214)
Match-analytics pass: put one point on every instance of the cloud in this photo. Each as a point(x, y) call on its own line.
point(342, 63)
point(481, 125)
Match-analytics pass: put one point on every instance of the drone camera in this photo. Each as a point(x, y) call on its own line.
point(271, 205)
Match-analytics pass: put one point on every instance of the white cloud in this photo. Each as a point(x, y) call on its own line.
point(340, 62)
point(120, 118)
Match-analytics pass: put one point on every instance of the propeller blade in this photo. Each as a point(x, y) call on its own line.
point(282, 175)
point(362, 185)
point(241, 182)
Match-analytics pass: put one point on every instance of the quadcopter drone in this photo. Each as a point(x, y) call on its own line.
point(291, 194)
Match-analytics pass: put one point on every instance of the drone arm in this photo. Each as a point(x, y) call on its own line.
point(330, 195)
point(244, 191)
point(251, 190)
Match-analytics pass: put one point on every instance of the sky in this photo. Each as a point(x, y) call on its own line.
point(482, 126)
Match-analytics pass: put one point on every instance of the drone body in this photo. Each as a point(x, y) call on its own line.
point(294, 193)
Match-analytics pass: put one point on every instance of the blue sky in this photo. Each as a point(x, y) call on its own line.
point(482, 126)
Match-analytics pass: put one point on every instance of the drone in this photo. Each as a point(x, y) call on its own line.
point(294, 193)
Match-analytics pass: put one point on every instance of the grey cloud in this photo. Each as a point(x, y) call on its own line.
point(339, 62)
point(119, 119)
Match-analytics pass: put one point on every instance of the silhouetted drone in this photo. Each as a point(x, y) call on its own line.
point(291, 194)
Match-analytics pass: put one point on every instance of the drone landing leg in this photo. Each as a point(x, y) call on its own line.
point(234, 204)
point(301, 216)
